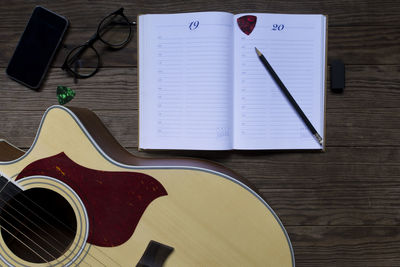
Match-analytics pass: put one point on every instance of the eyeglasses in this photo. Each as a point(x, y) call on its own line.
point(114, 30)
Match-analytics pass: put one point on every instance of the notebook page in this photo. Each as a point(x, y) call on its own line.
point(294, 45)
point(185, 81)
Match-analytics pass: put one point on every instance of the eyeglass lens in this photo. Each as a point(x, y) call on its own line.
point(114, 30)
point(83, 60)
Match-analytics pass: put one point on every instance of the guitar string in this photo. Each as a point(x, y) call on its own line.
point(66, 226)
point(2, 227)
point(51, 245)
point(50, 234)
point(29, 240)
point(34, 224)
point(8, 181)
point(71, 231)
point(25, 245)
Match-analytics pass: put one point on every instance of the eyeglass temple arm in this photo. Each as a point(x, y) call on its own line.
point(119, 23)
point(83, 48)
point(122, 23)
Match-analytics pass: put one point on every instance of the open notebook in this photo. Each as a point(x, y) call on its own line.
point(202, 86)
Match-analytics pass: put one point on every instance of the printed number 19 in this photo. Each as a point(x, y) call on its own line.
point(278, 27)
point(193, 25)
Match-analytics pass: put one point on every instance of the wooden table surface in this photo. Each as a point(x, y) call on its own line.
point(341, 207)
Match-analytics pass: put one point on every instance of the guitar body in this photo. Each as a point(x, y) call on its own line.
point(101, 206)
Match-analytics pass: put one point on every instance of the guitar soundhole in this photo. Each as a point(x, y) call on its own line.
point(38, 225)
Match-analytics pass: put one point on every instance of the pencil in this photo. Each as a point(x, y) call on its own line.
point(285, 91)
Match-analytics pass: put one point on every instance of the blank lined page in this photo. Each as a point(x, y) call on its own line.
point(294, 45)
point(185, 81)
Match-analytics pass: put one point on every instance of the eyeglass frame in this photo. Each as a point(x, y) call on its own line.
point(89, 44)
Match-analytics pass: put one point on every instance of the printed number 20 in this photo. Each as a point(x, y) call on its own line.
point(278, 27)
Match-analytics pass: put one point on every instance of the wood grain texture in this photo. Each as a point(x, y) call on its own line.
point(346, 246)
point(374, 45)
point(341, 207)
point(88, 14)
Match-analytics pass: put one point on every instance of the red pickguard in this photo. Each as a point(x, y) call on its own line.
point(115, 201)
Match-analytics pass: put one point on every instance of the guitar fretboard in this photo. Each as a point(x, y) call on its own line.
point(7, 190)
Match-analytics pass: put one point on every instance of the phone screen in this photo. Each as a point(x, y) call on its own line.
point(37, 47)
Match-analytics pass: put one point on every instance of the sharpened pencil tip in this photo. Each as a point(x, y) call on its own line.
point(319, 138)
point(258, 52)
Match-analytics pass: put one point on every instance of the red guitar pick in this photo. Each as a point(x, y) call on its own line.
point(247, 23)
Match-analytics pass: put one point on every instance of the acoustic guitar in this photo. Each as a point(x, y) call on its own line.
point(78, 198)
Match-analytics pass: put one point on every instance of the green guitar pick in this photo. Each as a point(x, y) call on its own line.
point(64, 94)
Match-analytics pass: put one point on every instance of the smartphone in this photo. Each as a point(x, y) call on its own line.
point(37, 47)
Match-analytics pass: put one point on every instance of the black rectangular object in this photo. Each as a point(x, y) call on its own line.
point(337, 76)
point(36, 47)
